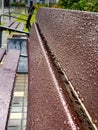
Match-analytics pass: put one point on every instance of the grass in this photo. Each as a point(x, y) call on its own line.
point(33, 19)
point(25, 16)
point(2, 24)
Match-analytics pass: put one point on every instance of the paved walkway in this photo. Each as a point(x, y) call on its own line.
point(18, 111)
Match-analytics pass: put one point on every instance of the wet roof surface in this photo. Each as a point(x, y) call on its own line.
point(48, 107)
point(73, 38)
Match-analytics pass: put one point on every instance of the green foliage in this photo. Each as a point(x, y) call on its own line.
point(36, 6)
point(76, 6)
point(2, 24)
point(82, 4)
point(15, 4)
point(87, 5)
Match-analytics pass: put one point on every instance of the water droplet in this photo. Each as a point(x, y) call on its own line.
point(94, 66)
point(92, 71)
point(90, 44)
point(83, 45)
point(81, 63)
point(74, 118)
point(80, 36)
point(78, 128)
point(95, 83)
point(95, 121)
point(83, 78)
point(93, 38)
point(82, 99)
point(65, 122)
point(95, 51)
point(90, 75)
point(89, 23)
point(84, 23)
